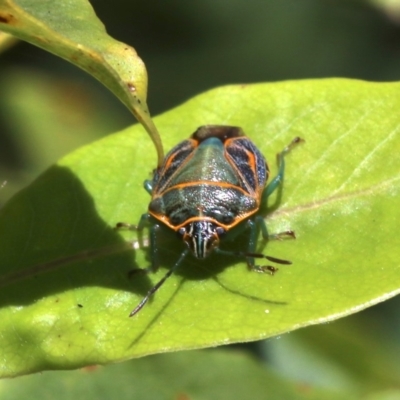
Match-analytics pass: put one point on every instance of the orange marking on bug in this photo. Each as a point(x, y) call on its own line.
point(165, 220)
point(207, 183)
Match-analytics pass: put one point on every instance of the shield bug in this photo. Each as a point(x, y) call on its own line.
point(208, 189)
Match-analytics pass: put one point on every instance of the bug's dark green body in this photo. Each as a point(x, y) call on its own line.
point(208, 186)
point(217, 178)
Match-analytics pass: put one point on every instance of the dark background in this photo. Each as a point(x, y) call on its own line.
point(48, 107)
point(189, 47)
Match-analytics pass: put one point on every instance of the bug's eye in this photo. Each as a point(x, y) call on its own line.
point(228, 218)
point(220, 231)
point(181, 231)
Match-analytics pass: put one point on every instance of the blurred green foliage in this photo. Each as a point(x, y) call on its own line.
point(48, 108)
point(189, 47)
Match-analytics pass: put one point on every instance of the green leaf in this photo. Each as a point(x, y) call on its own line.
point(340, 196)
point(71, 30)
point(44, 118)
point(211, 375)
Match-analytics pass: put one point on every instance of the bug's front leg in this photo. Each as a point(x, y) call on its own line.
point(274, 184)
point(261, 224)
point(255, 226)
point(145, 221)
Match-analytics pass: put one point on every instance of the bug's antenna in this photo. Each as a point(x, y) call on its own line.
point(158, 284)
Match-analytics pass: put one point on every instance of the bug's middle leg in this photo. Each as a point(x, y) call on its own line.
point(256, 226)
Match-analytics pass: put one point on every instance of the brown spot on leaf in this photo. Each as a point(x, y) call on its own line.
point(131, 87)
point(90, 368)
point(42, 39)
point(182, 396)
point(6, 18)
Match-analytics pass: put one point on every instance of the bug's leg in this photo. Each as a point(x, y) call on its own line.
point(259, 220)
point(145, 220)
point(255, 226)
point(154, 248)
point(274, 184)
point(159, 284)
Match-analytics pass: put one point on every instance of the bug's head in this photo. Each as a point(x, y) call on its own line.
point(201, 237)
